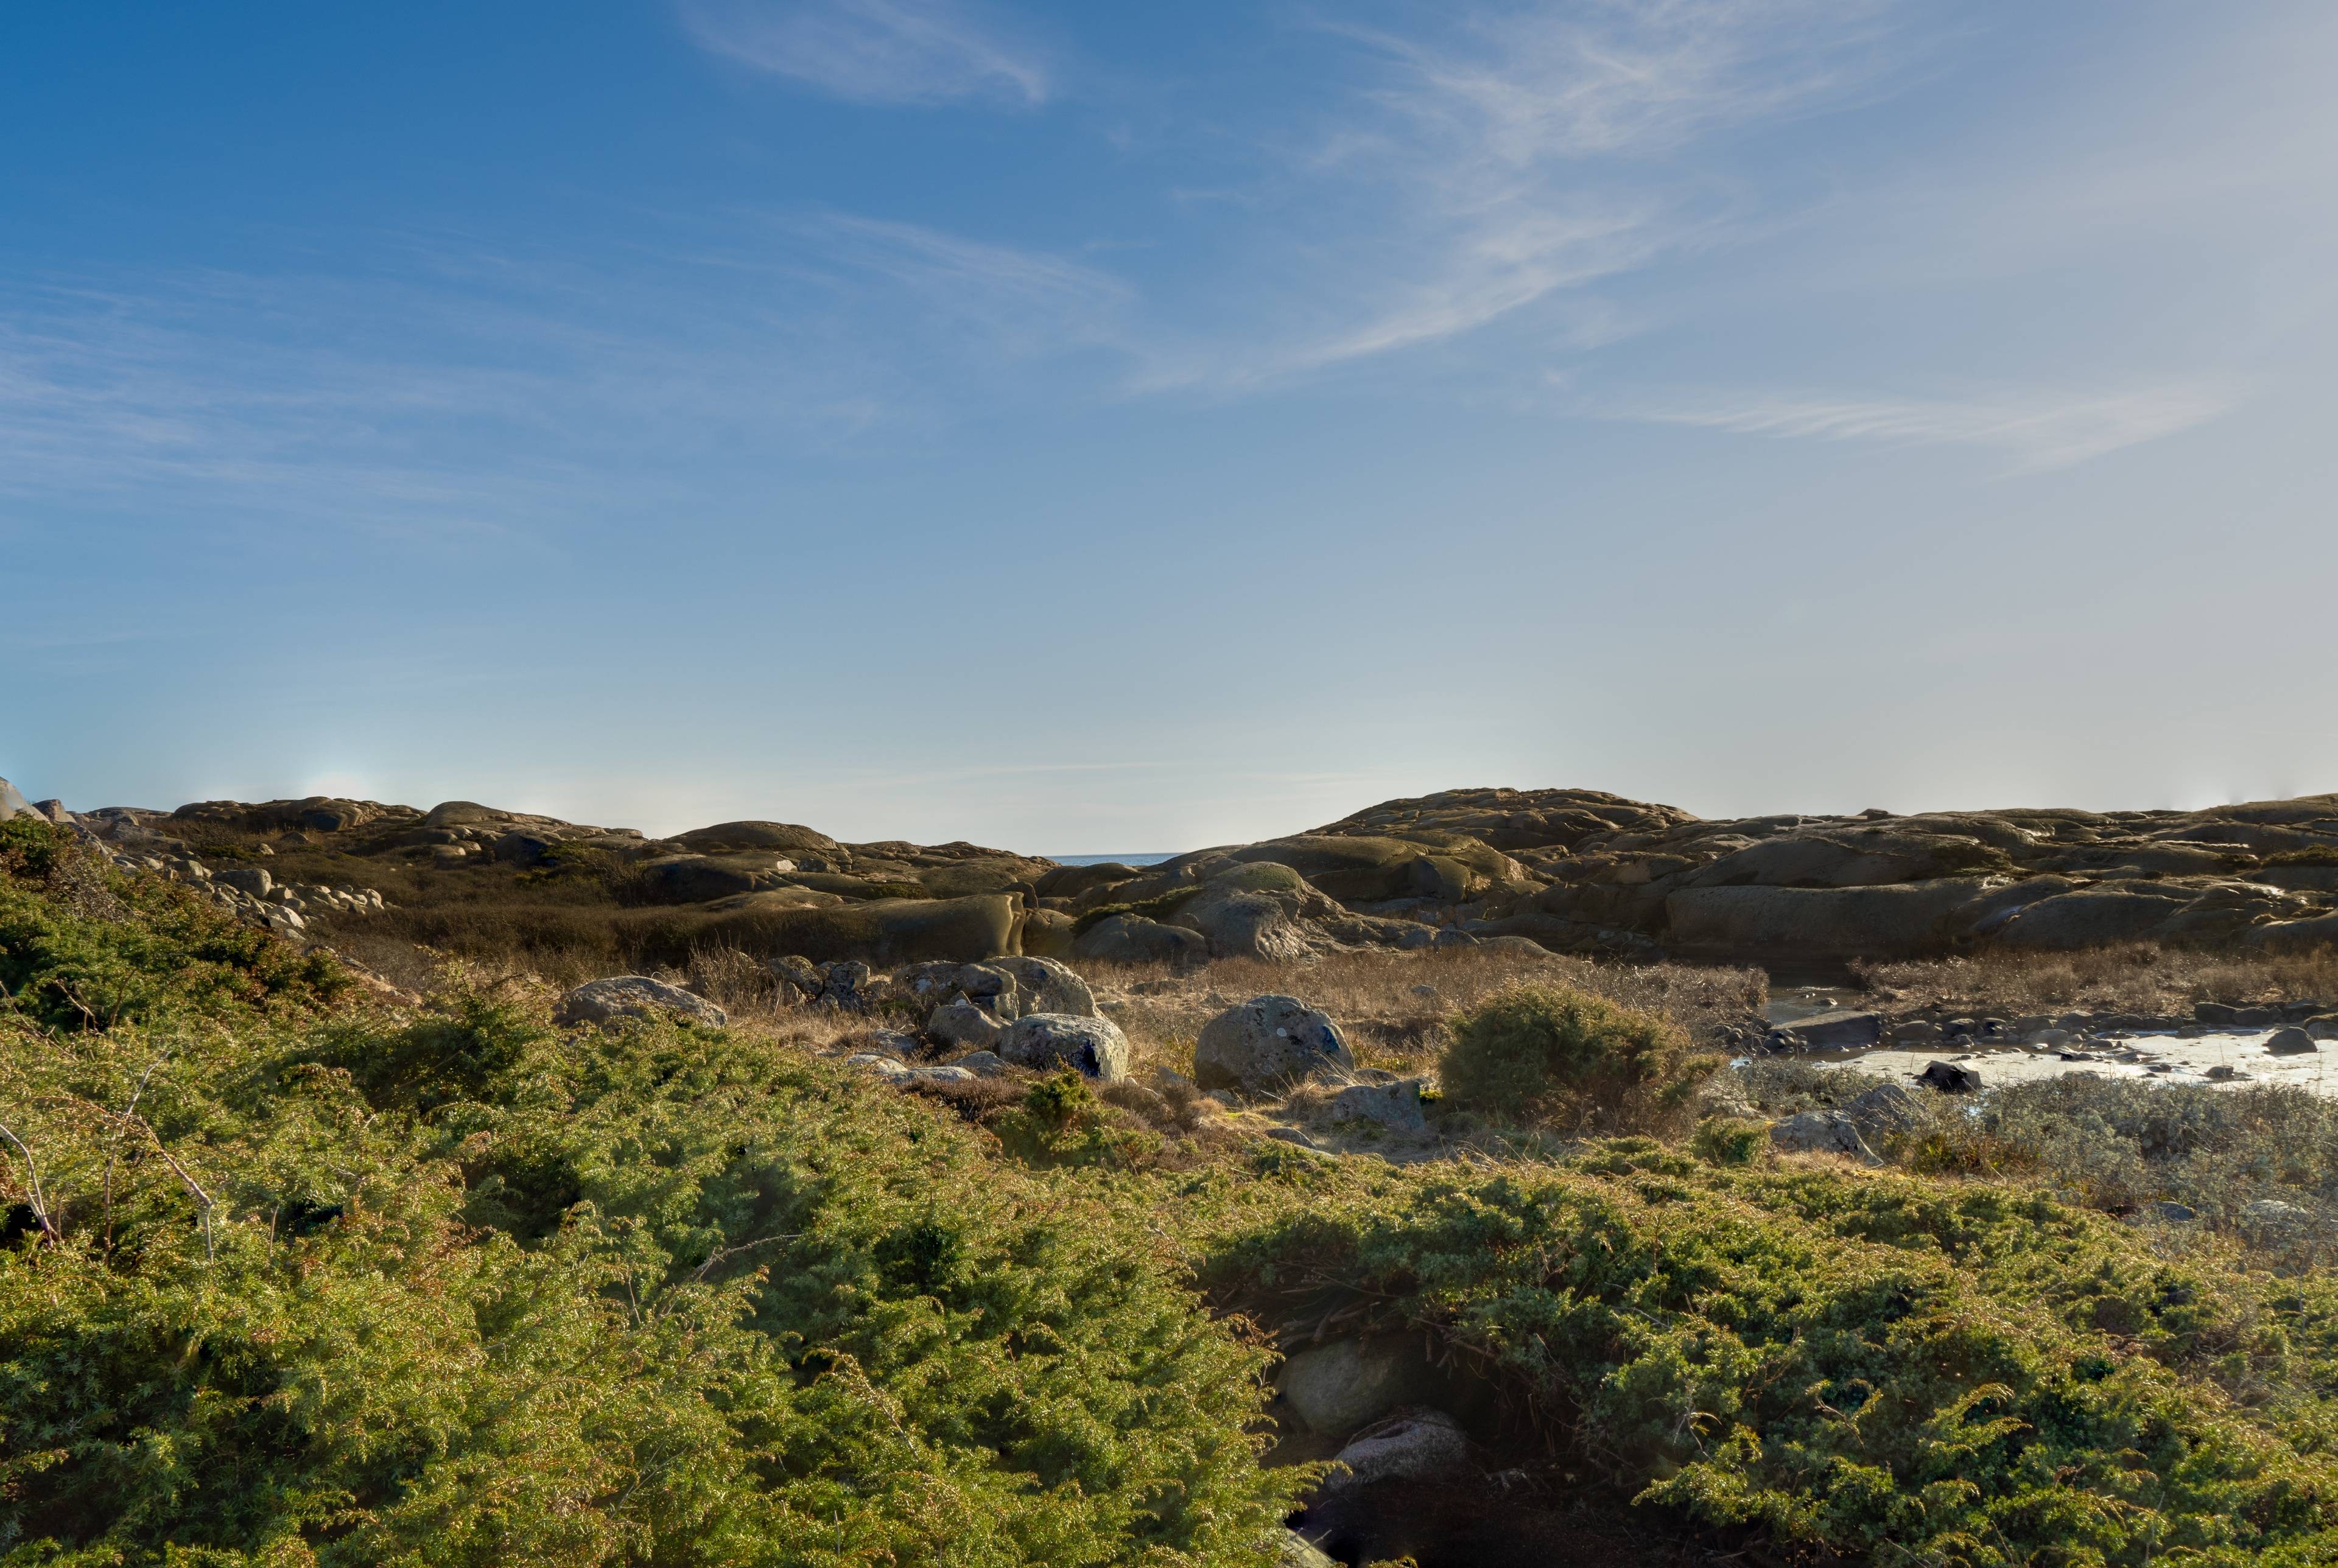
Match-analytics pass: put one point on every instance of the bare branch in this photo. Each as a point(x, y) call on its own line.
point(39, 1202)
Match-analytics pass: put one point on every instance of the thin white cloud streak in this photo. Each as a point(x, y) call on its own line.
point(880, 51)
point(1519, 155)
point(2040, 430)
point(469, 391)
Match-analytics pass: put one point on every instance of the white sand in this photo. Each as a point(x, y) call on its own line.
point(2177, 1059)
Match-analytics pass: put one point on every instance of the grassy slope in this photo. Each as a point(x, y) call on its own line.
point(447, 1288)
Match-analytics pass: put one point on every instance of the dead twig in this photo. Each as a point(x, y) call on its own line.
point(37, 1202)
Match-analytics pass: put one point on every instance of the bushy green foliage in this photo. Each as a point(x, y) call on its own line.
point(456, 1289)
point(83, 948)
point(1731, 1140)
point(1875, 1366)
point(2120, 1144)
point(1553, 1053)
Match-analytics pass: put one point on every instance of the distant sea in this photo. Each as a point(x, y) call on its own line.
point(1106, 860)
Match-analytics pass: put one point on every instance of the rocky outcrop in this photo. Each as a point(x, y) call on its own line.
point(1571, 870)
point(633, 996)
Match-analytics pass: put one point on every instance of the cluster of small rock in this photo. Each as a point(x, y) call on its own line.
point(252, 893)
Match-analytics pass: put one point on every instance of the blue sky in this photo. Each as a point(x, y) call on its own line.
point(1087, 428)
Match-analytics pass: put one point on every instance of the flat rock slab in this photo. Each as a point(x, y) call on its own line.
point(1842, 1029)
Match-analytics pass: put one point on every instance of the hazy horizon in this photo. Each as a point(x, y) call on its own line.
point(1067, 429)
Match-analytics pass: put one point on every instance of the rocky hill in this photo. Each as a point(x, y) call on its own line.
point(1571, 870)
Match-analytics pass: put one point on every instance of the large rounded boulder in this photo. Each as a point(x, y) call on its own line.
point(633, 996)
point(1134, 939)
point(1093, 1047)
point(1265, 1043)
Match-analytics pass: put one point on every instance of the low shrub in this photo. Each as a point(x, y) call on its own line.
point(336, 1289)
point(1863, 1366)
point(1552, 1054)
point(1731, 1140)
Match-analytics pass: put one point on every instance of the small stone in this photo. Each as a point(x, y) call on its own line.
point(982, 1063)
point(1949, 1078)
point(1396, 1106)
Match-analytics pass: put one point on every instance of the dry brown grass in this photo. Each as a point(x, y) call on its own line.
point(1393, 1006)
point(2134, 977)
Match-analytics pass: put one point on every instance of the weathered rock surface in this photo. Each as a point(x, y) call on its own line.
point(1411, 1445)
point(1338, 1386)
point(632, 996)
point(1395, 1106)
point(1093, 1047)
point(1267, 1043)
point(1135, 939)
point(1572, 870)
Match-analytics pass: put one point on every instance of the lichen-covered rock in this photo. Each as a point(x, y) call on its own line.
point(1338, 1386)
point(1267, 1043)
point(1093, 1047)
point(1410, 1446)
point(634, 996)
point(1820, 1132)
point(1395, 1106)
point(961, 1022)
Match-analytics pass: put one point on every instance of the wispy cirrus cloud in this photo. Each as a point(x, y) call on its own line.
point(889, 52)
point(2040, 430)
point(1516, 152)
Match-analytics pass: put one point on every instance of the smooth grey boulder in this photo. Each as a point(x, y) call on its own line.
point(982, 1063)
point(701, 878)
point(1820, 1132)
point(2092, 917)
point(1134, 939)
point(1339, 1387)
point(634, 996)
point(1093, 1047)
point(2291, 1042)
point(963, 1024)
point(1395, 1106)
point(1047, 985)
point(252, 879)
point(12, 803)
point(1410, 1446)
point(1238, 923)
point(736, 836)
point(1266, 1043)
